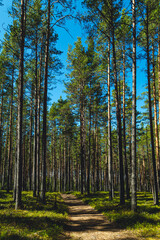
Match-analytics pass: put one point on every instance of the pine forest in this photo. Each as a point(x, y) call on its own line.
point(102, 136)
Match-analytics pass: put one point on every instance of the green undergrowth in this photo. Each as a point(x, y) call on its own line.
point(145, 222)
point(35, 220)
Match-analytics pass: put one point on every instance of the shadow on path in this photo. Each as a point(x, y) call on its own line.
point(86, 223)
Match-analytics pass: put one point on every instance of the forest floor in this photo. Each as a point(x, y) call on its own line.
point(85, 223)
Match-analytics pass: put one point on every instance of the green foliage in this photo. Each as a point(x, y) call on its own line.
point(35, 220)
point(145, 222)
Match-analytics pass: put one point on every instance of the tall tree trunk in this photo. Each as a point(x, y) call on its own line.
point(55, 161)
point(30, 142)
point(110, 170)
point(155, 113)
point(24, 175)
point(97, 149)
point(60, 165)
point(82, 140)
point(10, 134)
point(89, 142)
point(124, 123)
point(133, 166)
point(35, 125)
point(44, 137)
point(64, 163)
point(38, 119)
point(5, 157)
point(69, 164)
point(93, 162)
point(159, 88)
point(1, 110)
point(20, 112)
point(122, 199)
point(155, 197)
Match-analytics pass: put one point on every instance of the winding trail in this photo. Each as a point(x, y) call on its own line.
point(85, 223)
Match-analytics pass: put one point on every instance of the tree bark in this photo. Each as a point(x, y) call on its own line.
point(35, 124)
point(1, 110)
point(133, 166)
point(82, 142)
point(110, 170)
point(44, 136)
point(159, 88)
point(38, 119)
point(20, 113)
point(10, 134)
point(155, 113)
point(124, 123)
point(89, 142)
point(155, 197)
point(119, 136)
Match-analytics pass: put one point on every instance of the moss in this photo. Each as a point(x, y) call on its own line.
point(35, 220)
point(145, 222)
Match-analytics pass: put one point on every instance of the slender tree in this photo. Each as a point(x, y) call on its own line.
point(20, 111)
point(133, 172)
point(150, 108)
point(44, 136)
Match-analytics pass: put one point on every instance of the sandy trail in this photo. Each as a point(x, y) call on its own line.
point(85, 223)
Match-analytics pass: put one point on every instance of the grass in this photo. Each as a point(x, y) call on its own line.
point(145, 222)
point(35, 220)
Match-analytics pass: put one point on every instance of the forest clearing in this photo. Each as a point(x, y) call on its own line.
point(99, 143)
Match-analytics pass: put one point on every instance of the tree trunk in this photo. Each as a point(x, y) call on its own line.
point(44, 137)
point(159, 89)
point(155, 197)
point(35, 125)
point(10, 134)
point(82, 140)
point(60, 165)
point(55, 161)
point(119, 136)
point(93, 162)
point(20, 113)
point(155, 113)
point(1, 110)
point(124, 124)
point(30, 143)
point(110, 170)
point(89, 142)
point(38, 119)
point(133, 172)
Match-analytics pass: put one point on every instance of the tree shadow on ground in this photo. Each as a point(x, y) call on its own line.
point(35, 219)
point(123, 217)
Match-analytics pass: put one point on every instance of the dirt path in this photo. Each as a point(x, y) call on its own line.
point(85, 223)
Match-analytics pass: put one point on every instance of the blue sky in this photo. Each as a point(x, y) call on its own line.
point(65, 39)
